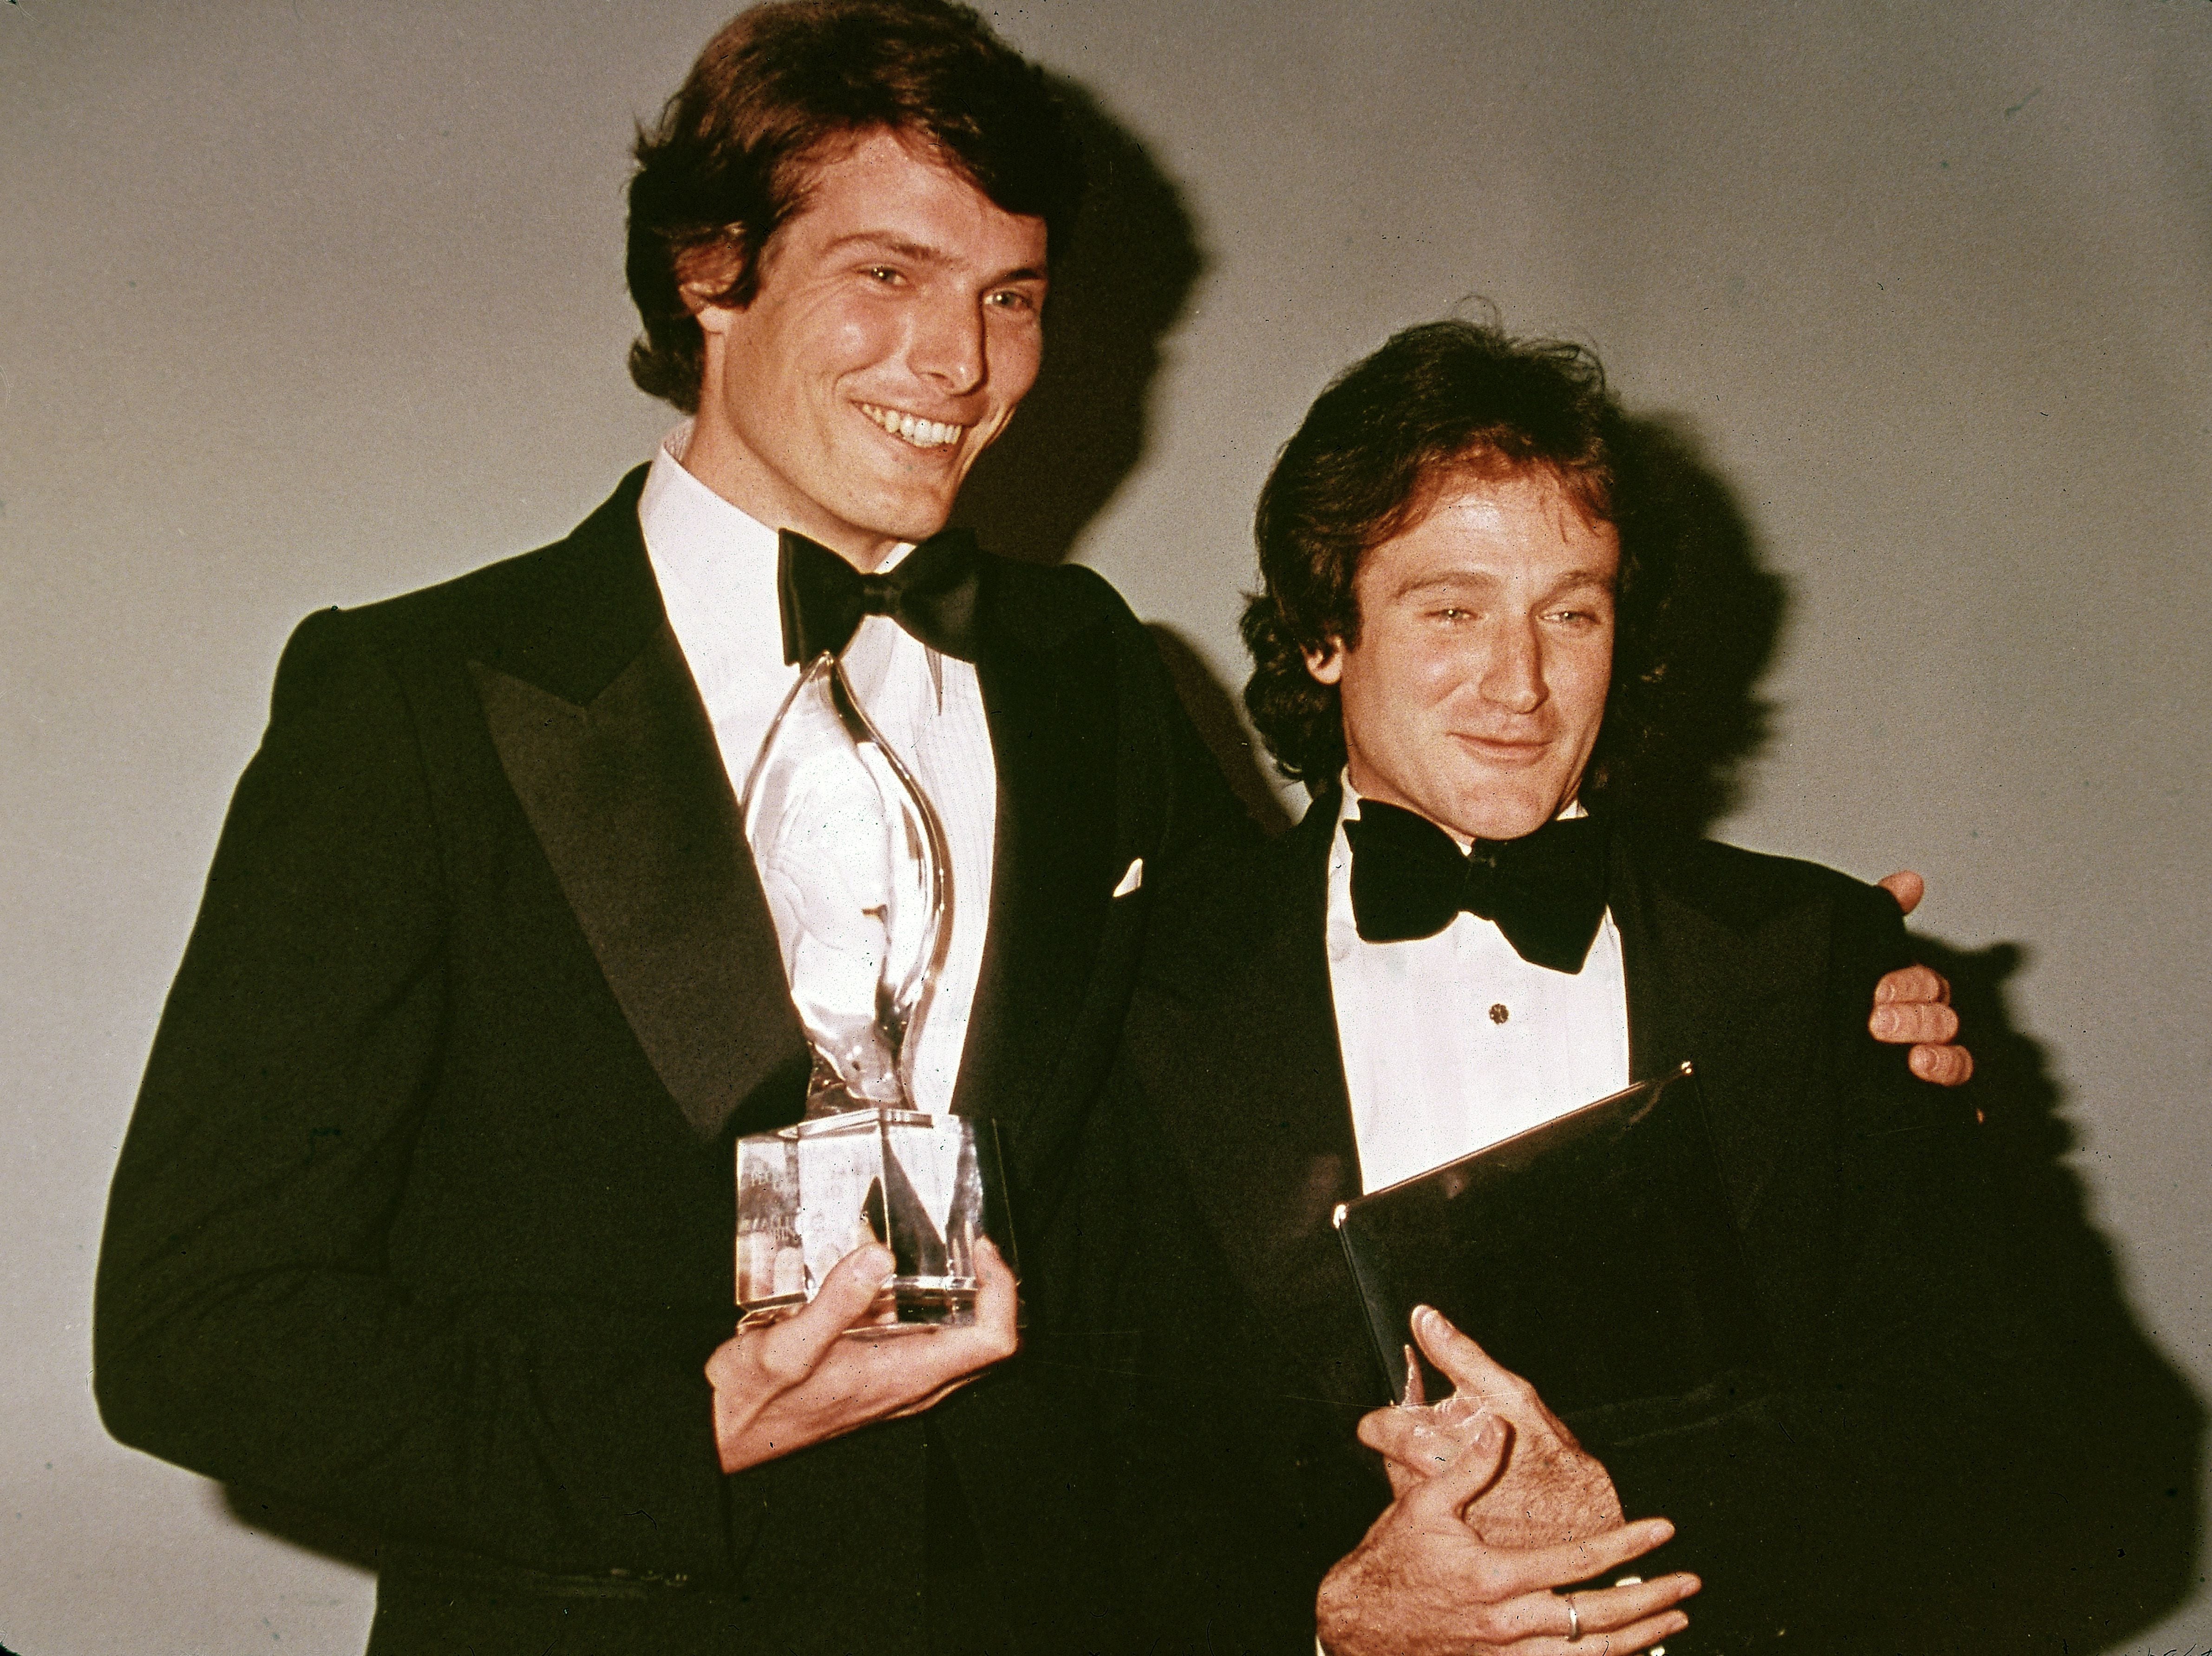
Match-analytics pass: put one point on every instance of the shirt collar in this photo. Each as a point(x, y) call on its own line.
point(693, 532)
point(1348, 800)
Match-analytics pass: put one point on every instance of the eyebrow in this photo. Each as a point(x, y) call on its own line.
point(1468, 580)
point(1453, 581)
point(920, 252)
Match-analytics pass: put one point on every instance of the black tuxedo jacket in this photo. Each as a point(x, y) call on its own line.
point(425, 1218)
point(1815, 1499)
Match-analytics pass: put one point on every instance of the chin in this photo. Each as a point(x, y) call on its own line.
point(907, 516)
point(1488, 816)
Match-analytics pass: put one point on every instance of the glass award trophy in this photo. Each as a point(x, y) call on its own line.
point(855, 868)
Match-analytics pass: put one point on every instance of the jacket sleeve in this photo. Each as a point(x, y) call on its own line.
point(1848, 1490)
point(248, 1324)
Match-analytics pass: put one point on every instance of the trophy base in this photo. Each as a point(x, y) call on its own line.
point(929, 1187)
point(903, 1307)
point(932, 1302)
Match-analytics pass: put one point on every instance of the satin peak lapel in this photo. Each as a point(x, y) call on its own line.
point(1051, 702)
point(629, 799)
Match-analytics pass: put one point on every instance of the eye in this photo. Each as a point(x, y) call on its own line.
point(1010, 299)
point(884, 275)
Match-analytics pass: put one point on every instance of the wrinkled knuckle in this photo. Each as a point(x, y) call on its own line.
point(1489, 1624)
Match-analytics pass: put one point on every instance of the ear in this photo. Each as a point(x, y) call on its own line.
point(705, 273)
point(1327, 663)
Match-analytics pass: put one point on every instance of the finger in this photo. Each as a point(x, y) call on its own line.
point(789, 1350)
point(1946, 1066)
point(1444, 1497)
point(1609, 1608)
point(1399, 1440)
point(1907, 887)
point(1418, 1443)
point(1394, 1423)
point(1920, 1023)
point(1908, 983)
point(1539, 1568)
point(1623, 1641)
point(998, 1299)
point(1607, 1618)
point(1388, 1430)
point(907, 1367)
point(1469, 1365)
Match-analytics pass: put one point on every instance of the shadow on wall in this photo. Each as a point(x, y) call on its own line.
point(1721, 619)
point(2097, 1538)
point(1216, 712)
point(2100, 1536)
point(2103, 1538)
point(1117, 292)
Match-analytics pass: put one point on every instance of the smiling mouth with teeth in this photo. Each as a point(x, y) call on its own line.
point(922, 434)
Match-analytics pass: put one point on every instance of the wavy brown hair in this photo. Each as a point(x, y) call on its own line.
point(1439, 403)
point(768, 101)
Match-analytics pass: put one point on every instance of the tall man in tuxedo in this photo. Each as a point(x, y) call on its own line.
point(1462, 645)
point(426, 1216)
point(425, 1219)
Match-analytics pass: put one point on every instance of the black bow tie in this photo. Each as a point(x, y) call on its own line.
point(1544, 890)
point(931, 593)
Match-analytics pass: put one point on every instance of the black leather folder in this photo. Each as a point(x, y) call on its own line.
point(1594, 1256)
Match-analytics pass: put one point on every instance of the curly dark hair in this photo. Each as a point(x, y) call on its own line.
point(1438, 403)
point(730, 159)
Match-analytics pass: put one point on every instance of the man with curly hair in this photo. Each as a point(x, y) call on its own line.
point(1466, 644)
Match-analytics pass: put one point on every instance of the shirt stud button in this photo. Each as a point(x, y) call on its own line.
point(1499, 1014)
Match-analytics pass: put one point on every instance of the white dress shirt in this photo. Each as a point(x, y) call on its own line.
point(1454, 1042)
point(716, 567)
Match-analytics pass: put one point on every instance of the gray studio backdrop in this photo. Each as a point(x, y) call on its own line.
point(304, 303)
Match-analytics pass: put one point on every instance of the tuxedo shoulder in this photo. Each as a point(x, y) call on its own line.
point(1214, 906)
point(1044, 602)
point(598, 566)
point(567, 616)
point(1750, 888)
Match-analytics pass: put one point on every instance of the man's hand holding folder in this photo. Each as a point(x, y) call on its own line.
point(1550, 1489)
point(1498, 1509)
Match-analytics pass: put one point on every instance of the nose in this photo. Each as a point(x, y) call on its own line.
point(1513, 673)
point(947, 346)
